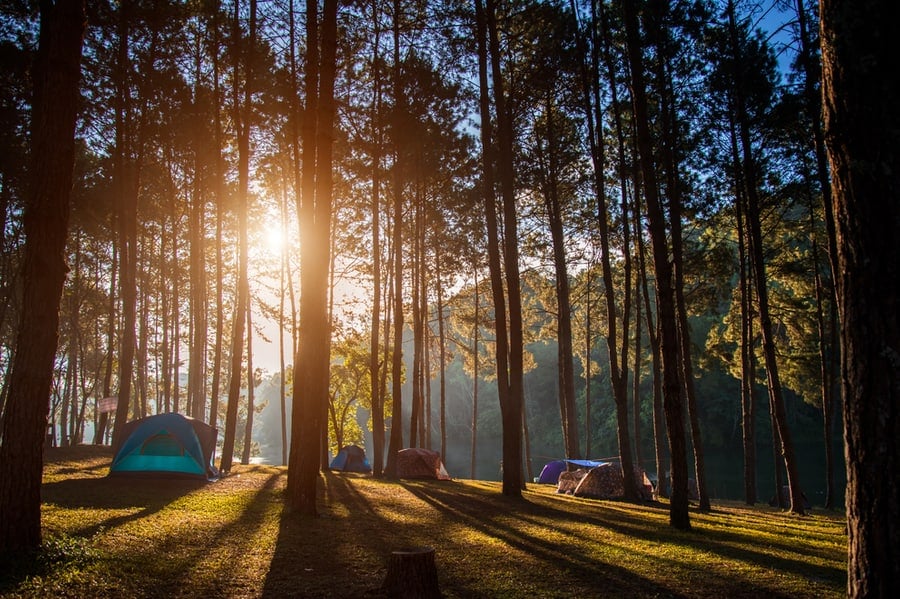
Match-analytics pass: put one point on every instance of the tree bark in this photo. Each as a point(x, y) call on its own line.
point(125, 174)
point(758, 271)
point(492, 227)
point(311, 366)
point(375, 343)
point(748, 357)
point(618, 370)
point(219, 187)
point(412, 574)
point(860, 91)
point(812, 95)
point(242, 113)
point(512, 408)
point(56, 75)
point(251, 384)
point(548, 160)
point(665, 294)
point(395, 443)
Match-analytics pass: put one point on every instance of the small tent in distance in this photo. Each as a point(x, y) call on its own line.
point(351, 458)
point(167, 445)
point(417, 462)
point(551, 471)
point(603, 482)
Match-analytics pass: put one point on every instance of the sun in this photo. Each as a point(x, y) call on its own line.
point(273, 239)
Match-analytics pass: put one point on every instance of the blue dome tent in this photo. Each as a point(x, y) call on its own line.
point(166, 445)
point(351, 458)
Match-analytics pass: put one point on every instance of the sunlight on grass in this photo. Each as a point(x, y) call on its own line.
point(234, 538)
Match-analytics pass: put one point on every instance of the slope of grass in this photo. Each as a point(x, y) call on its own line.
point(109, 537)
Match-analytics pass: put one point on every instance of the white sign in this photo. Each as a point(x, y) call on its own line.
point(107, 404)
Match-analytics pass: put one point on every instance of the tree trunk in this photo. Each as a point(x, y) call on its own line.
point(812, 95)
point(251, 384)
point(242, 112)
point(861, 124)
point(219, 175)
point(492, 227)
point(103, 419)
point(417, 415)
point(748, 357)
point(618, 370)
point(659, 431)
point(395, 443)
point(476, 373)
point(375, 343)
point(442, 349)
point(588, 350)
point(124, 174)
point(758, 269)
point(412, 574)
point(198, 290)
point(665, 295)
point(548, 160)
point(512, 408)
point(46, 219)
point(311, 366)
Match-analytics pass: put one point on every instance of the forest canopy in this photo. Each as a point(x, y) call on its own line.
point(186, 235)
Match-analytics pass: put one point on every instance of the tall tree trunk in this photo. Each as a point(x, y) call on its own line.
point(759, 274)
point(198, 304)
point(283, 274)
point(588, 350)
point(418, 401)
point(492, 226)
point(475, 369)
point(124, 173)
point(659, 431)
point(618, 370)
point(55, 78)
point(512, 409)
point(665, 294)
point(103, 419)
point(176, 327)
point(442, 349)
point(860, 91)
point(671, 166)
point(548, 160)
point(251, 384)
point(219, 187)
point(812, 95)
point(375, 343)
point(748, 357)
point(242, 113)
point(311, 366)
point(636, 370)
point(395, 443)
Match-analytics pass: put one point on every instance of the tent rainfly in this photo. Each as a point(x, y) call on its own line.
point(417, 462)
point(351, 458)
point(551, 471)
point(166, 445)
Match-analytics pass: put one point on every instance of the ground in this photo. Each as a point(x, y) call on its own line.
point(117, 537)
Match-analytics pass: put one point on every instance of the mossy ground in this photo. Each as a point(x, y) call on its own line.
point(113, 537)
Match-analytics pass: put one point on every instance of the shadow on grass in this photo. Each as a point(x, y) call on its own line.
point(138, 497)
point(560, 568)
point(211, 567)
point(783, 554)
point(141, 497)
point(337, 554)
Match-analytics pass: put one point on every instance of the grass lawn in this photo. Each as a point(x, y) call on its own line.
point(232, 538)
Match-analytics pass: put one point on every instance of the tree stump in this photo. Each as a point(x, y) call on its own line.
point(412, 574)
